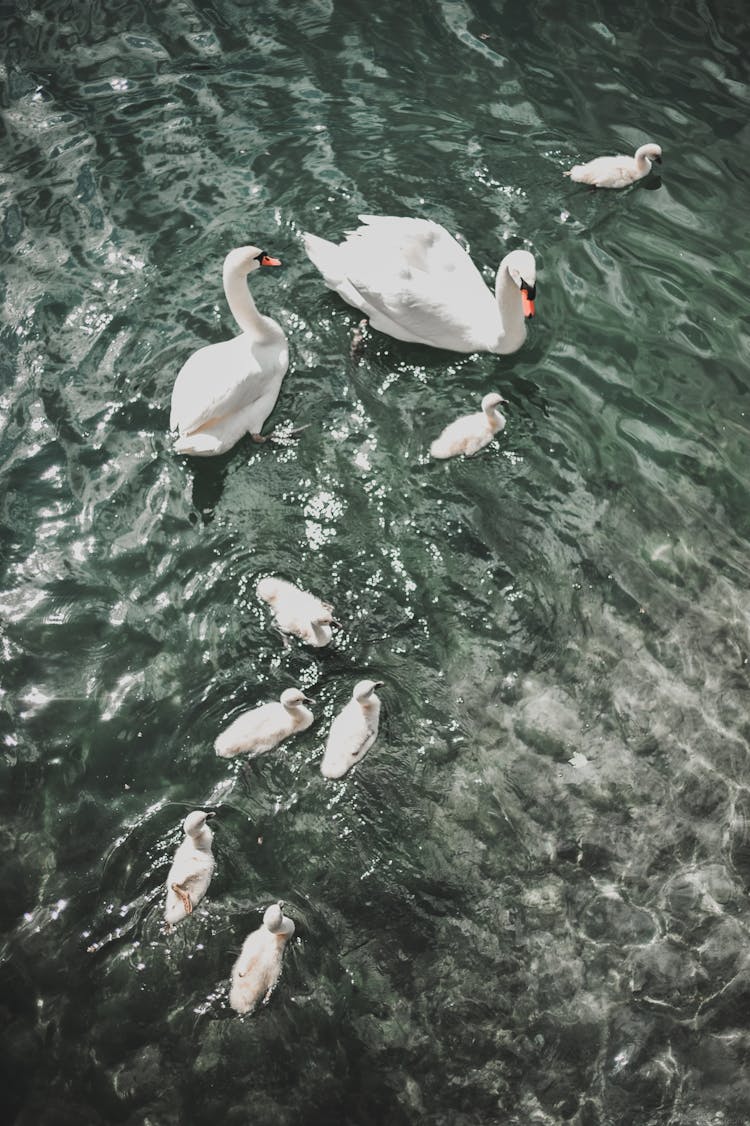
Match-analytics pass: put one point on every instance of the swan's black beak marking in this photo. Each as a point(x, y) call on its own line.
point(528, 295)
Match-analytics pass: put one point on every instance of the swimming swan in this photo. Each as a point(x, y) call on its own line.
point(616, 171)
point(258, 967)
point(298, 612)
point(192, 868)
point(415, 282)
point(263, 728)
point(472, 432)
point(353, 731)
point(229, 389)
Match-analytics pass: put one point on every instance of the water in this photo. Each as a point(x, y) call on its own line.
point(529, 903)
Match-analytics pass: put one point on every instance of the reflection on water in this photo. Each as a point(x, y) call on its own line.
point(529, 903)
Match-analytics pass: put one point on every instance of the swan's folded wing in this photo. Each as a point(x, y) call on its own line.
point(417, 276)
point(223, 378)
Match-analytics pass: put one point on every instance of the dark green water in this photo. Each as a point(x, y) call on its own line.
point(486, 933)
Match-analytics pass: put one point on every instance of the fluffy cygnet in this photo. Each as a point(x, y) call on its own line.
point(263, 728)
point(258, 967)
point(192, 868)
point(616, 171)
point(472, 432)
point(298, 612)
point(353, 731)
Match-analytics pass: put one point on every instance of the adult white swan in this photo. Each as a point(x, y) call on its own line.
point(616, 171)
point(227, 390)
point(415, 282)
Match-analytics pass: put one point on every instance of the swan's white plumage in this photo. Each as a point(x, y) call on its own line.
point(227, 390)
point(258, 967)
point(616, 171)
point(472, 432)
point(192, 867)
point(353, 731)
point(263, 728)
point(416, 283)
point(297, 611)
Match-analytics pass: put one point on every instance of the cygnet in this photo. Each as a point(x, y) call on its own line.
point(353, 731)
point(472, 432)
point(263, 728)
point(297, 611)
point(616, 171)
point(258, 967)
point(192, 868)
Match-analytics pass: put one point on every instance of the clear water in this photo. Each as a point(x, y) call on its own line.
point(487, 932)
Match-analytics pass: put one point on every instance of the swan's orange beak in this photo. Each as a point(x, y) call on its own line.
point(528, 293)
point(267, 260)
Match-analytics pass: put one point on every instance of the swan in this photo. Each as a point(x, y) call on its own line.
point(415, 282)
point(227, 390)
point(616, 171)
point(258, 967)
point(297, 611)
point(353, 731)
point(192, 868)
point(472, 432)
point(263, 728)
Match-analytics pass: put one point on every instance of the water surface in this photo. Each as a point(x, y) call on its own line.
point(529, 903)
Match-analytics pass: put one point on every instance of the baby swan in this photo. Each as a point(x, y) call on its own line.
point(192, 868)
point(616, 171)
point(258, 967)
point(471, 433)
point(263, 728)
point(298, 612)
point(353, 731)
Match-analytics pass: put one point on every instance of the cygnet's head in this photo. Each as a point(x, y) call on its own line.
point(489, 402)
point(293, 698)
point(653, 152)
point(194, 822)
point(273, 918)
point(245, 259)
point(364, 689)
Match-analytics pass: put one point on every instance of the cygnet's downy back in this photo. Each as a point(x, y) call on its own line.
point(192, 868)
point(353, 731)
point(258, 967)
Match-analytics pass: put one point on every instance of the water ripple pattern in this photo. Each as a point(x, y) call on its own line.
point(529, 904)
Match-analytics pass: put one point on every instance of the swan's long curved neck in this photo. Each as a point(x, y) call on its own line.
point(513, 326)
point(241, 304)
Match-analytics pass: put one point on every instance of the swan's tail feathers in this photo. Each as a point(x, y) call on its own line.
point(566, 173)
point(324, 255)
point(327, 257)
point(201, 444)
point(226, 745)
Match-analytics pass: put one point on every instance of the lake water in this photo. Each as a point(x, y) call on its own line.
point(529, 904)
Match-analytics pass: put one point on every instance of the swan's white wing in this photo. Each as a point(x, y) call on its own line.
point(411, 273)
point(225, 378)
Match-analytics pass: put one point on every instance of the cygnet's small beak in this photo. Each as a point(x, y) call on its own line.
point(211, 814)
point(333, 622)
point(379, 683)
point(307, 700)
point(657, 160)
